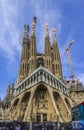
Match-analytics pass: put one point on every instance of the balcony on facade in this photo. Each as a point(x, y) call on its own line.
point(38, 76)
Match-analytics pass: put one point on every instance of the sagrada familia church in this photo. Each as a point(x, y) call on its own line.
point(40, 93)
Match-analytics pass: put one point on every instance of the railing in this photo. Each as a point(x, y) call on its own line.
point(41, 75)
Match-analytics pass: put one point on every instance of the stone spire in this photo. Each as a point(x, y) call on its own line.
point(26, 34)
point(54, 35)
point(33, 49)
point(47, 49)
point(33, 29)
point(8, 92)
point(24, 63)
point(57, 67)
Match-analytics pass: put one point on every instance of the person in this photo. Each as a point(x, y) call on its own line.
point(62, 128)
point(44, 127)
point(58, 126)
point(11, 128)
point(18, 127)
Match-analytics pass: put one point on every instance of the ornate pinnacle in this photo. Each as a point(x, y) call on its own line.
point(26, 27)
point(54, 33)
point(33, 26)
point(35, 19)
point(26, 34)
point(46, 27)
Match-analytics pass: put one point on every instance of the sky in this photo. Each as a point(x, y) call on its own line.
point(66, 16)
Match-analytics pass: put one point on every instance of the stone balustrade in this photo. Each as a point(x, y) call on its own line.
point(41, 75)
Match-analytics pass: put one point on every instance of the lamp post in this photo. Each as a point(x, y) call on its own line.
point(31, 122)
point(58, 123)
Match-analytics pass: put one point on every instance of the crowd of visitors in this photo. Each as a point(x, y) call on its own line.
point(38, 126)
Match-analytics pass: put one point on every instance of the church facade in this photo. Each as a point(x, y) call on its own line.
point(40, 93)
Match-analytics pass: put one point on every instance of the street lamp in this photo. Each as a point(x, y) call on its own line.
point(31, 122)
point(58, 123)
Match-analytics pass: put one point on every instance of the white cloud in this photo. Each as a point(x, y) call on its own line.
point(44, 14)
point(9, 33)
point(81, 77)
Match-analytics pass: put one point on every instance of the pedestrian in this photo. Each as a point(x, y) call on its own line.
point(18, 127)
point(44, 127)
point(62, 128)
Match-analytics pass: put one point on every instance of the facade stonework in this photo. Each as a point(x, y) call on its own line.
point(31, 60)
point(40, 93)
point(42, 97)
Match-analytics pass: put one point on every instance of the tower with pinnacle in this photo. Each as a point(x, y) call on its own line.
point(29, 58)
point(47, 50)
point(40, 93)
point(32, 53)
point(56, 64)
point(24, 63)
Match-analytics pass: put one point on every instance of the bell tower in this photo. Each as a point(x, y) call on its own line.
point(24, 63)
point(32, 53)
point(57, 67)
point(47, 50)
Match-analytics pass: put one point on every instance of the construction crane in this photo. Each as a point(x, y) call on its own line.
point(69, 58)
